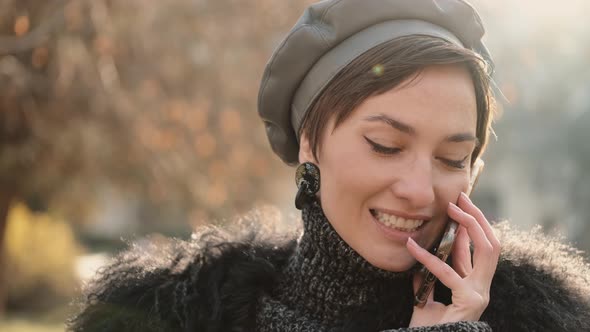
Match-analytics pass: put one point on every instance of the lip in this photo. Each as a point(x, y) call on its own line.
point(393, 234)
point(404, 215)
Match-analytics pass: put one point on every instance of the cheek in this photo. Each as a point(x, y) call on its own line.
point(448, 188)
point(348, 170)
point(451, 185)
point(348, 183)
point(344, 178)
point(449, 181)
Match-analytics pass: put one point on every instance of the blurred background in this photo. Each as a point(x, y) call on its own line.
point(122, 119)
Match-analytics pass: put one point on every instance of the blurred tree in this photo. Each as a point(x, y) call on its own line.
point(157, 98)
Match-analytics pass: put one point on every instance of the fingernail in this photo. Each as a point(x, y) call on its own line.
point(465, 197)
point(412, 242)
point(454, 207)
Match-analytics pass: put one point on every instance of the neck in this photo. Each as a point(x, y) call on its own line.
point(328, 281)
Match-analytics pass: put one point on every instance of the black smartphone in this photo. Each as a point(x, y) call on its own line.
point(445, 246)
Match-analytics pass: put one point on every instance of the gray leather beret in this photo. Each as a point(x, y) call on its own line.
point(332, 33)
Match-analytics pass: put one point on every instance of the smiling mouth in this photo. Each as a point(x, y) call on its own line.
point(397, 223)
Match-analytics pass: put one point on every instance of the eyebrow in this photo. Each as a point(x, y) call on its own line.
point(396, 124)
point(462, 137)
point(393, 123)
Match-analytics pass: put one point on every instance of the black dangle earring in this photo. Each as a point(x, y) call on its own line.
point(307, 178)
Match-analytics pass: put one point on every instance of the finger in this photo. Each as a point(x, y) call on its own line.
point(461, 253)
point(483, 249)
point(467, 205)
point(489, 267)
point(440, 269)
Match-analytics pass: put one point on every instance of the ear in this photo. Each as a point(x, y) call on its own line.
point(305, 152)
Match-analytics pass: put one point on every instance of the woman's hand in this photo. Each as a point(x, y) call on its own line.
point(469, 282)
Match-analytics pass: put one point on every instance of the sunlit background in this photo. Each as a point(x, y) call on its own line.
point(121, 119)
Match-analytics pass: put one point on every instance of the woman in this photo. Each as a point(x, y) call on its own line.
point(386, 106)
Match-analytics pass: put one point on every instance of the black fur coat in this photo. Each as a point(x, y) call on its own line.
point(212, 283)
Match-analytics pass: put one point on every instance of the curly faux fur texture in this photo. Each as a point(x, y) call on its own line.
point(212, 282)
point(541, 284)
point(208, 284)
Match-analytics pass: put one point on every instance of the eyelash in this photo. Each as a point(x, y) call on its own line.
point(459, 164)
point(382, 149)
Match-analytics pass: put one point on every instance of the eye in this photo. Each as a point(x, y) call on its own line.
point(459, 164)
point(381, 148)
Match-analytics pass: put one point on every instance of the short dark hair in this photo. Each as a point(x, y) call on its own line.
point(385, 67)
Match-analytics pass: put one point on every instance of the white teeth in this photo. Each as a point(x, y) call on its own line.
point(397, 222)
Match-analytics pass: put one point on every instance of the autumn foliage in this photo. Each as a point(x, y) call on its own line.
point(157, 97)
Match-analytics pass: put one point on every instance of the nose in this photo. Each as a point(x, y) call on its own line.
point(415, 185)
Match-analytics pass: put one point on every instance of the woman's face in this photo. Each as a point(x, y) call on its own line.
point(390, 169)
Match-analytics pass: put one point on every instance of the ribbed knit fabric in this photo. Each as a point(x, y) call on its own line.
point(326, 286)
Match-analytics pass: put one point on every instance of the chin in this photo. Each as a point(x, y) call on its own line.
point(398, 263)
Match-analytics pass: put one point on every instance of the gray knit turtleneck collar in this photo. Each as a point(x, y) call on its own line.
point(326, 283)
